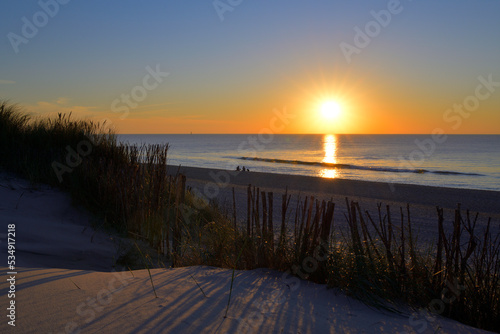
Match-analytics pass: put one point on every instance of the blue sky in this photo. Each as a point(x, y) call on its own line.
point(228, 75)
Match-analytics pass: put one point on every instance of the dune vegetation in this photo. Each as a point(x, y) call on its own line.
point(376, 258)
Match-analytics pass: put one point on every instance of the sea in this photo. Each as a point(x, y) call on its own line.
point(457, 161)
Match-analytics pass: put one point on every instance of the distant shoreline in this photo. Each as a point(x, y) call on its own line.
point(484, 201)
point(464, 161)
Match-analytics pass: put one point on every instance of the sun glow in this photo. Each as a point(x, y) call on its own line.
point(330, 148)
point(331, 109)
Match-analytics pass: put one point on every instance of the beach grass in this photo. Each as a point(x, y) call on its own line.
point(377, 259)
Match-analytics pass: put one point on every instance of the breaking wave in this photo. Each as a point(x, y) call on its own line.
point(359, 167)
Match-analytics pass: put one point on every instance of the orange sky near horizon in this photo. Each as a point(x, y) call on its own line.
point(364, 110)
point(181, 67)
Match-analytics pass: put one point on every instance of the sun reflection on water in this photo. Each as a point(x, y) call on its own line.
point(330, 148)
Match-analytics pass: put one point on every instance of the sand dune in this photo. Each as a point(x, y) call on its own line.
point(65, 283)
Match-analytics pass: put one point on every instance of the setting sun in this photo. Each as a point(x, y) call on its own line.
point(330, 109)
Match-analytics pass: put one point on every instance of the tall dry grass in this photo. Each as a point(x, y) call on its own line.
point(127, 187)
point(377, 260)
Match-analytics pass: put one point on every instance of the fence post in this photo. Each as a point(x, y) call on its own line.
point(180, 195)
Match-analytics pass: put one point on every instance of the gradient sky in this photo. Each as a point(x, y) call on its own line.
point(231, 75)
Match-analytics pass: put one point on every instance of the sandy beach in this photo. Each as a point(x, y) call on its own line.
point(218, 184)
point(484, 201)
point(65, 282)
point(230, 166)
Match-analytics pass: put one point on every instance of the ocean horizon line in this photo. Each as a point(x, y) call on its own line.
point(307, 134)
point(464, 161)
